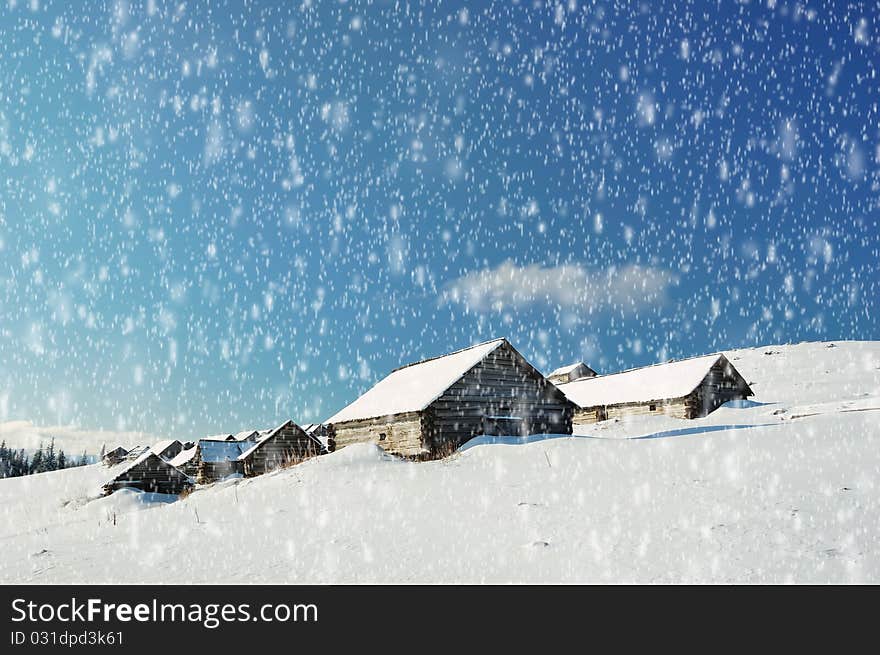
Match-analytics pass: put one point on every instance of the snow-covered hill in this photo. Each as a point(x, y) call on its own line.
point(784, 489)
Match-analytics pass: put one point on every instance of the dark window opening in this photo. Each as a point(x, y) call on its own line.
point(382, 436)
point(652, 407)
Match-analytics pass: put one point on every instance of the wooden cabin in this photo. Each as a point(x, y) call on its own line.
point(285, 445)
point(185, 460)
point(689, 388)
point(114, 456)
point(571, 373)
point(323, 433)
point(215, 459)
point(150, 473)
point(167, 449)
point(428, 409)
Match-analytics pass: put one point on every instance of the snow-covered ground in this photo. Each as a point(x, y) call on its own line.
point(783, 490)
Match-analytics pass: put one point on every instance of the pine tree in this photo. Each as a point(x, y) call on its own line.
point(22, 464)
point(62, 460)
point(5, 461)
point(36, 465)
point(50, 459)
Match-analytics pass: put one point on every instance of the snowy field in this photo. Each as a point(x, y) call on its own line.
point(783, 490)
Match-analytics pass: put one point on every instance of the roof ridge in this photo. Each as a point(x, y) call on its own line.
point(454, 352)
point(641, 368)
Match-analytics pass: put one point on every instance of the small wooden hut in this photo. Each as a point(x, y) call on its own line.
point(689, 388)
point(427, 409)
point(282, 446)
point(323, 433)
point(185, 460)
point(167, 449)
point(150, 473)
point(215, 459)
point(114, 456)
point(571, 373)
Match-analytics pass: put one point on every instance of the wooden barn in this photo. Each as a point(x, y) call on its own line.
point(216, 459)
point(282, 446)
point(114, 456)
point(185, 460)
point(571, 373)
point(689, 388)
point(151, 473)
point(323, 433)
point(167, 449)
point(427, 409)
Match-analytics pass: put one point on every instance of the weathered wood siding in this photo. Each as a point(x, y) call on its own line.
point(721, 384)
point(580, 371)
point(288, 445)
point(151, 474)
point(588, 415)
point(171, 450)
point(208, 472)
point(503, 384)
point(211, 471)
point(114, 456)
point(402, 433)
point(674, 407)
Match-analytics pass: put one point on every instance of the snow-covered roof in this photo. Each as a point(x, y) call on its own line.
point(658, 382)
point(222, 451)
point(217, 437)
point(161, 446)
point(246, 435)
point(565, 370)
point(136, 452)
point(183, 457)
point(412, 388)
point(147, 454)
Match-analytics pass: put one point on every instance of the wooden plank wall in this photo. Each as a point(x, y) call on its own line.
point(720, 385)
point(208, 472)
point(676, 408)
point(403, 433)
point(503, 384)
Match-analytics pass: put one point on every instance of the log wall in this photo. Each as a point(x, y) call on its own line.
point(208, 472)
point(402, 433)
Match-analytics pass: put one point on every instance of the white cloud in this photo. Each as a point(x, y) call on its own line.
point(71, 439)
point(570, 287)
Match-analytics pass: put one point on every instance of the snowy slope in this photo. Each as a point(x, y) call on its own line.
point(783, 490)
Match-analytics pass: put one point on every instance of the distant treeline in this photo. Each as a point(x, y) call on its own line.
point(14, 463)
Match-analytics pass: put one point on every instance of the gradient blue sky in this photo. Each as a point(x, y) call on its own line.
point(221, 215)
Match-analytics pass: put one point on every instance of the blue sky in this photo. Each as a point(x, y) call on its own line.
point(221, 215)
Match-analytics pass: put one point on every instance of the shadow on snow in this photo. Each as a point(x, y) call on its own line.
point(532, 438)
